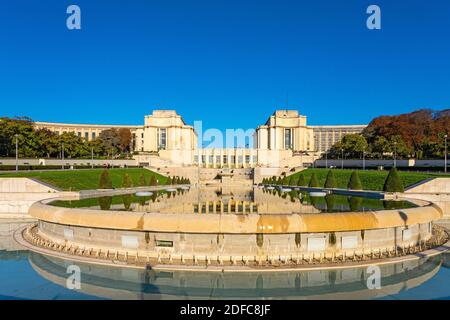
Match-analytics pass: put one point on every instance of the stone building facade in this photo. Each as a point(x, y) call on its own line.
point(285, 140)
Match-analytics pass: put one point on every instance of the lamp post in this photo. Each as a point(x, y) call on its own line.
point(17, 152)
point(342, 158)
point(326, 159)
point(445, 154)
point(62, 155)
point(364, 160)
point(92, 157)
point(395, 154)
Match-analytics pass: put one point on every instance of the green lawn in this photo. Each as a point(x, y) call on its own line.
point(74, 180)
point(370, 179)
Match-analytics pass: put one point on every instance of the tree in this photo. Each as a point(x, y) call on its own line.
point(354, 183)
point(393, 182)
point(127, 182)
point(111, 140)
point(353, 146)
point(74, 146)
point(293, 180)
point(313, 183)
point(124, 139)
point(301, 180)
point(330, 181)
point(142, 180)
point(285, 181)
point(153, 181)
point(105, 180)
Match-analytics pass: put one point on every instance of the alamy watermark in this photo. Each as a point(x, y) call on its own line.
point(73, 21)
point(73, 281)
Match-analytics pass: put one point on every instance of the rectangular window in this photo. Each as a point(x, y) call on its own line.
point(247, 159)
point(86, 136)
point(217, 159)
point(287, 139)
point(162, 138)
point(225, 159)
point(164, 243)
point(195, 159)
point(240, 158)
point(93, 135)
point(211, 159)
point(79, 134)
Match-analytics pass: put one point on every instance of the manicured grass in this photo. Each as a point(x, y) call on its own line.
point(370, 179)
point(85, 179)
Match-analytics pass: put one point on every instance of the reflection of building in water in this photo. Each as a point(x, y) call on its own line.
point(350, 283)
point(240, 201)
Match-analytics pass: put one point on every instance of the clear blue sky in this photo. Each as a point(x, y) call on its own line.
point(229, 63)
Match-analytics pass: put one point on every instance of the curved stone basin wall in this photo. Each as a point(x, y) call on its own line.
point(250, 237)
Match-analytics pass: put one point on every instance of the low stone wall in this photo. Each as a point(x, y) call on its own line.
point(226, 247)
point(18, 194)
point(435, 190)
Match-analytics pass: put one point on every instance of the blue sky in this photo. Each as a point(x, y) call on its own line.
point(228, 63)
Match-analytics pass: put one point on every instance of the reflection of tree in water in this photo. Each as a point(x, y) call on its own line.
point(314, 201)
point(293, 195)
point(330, 199)
point(105, 203)
point(127, 199)
point(355, 203)
point(389, 204)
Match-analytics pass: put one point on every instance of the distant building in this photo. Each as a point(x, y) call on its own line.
point(285, 140)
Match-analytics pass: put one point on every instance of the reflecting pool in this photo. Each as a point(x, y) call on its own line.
point(235, 201)
point(27, 275)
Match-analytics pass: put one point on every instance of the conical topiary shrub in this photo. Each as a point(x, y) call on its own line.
point(142, 181)
point(313, 183)
point(153, 181)
point(105, 180)
point(293, 181)
point(279, 181)
point(331, 181)
point(285, 181)
point(301, 180)
point(393, 182)
point(354, 183)
point(127, 182)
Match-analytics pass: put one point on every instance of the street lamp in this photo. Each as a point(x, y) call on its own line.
point(17, 152)
point(445, 154)
point(395, 154)
point(326, 159)
point(62, 154)
point(364, 160)
point(92, 157)
point(342, 158)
